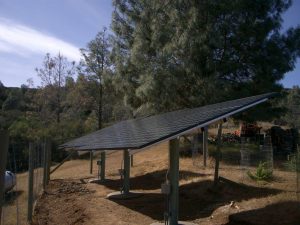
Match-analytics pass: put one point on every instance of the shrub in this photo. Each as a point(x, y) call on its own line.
point(262, 173)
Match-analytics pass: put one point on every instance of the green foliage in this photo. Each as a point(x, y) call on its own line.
point(96, 67)
point(262, 173)
point(291, 101)
point(191, 53)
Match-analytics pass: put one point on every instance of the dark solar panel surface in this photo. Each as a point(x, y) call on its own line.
point(141, 132)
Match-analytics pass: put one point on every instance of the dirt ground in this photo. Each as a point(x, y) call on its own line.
point(71, 200)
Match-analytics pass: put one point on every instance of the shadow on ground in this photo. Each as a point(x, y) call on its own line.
point(282, 213)
point(11, 197)
point(150, 181)
point(196, 200)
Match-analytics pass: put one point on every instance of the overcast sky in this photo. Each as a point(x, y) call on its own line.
point(29, 29)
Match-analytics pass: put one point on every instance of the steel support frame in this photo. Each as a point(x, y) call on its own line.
point(174, 181)
point(126, 159)
point(102, 172)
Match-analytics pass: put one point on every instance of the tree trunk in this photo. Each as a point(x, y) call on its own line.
point(100, 108)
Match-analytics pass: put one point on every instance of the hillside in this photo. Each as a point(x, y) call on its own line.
point(70, 199)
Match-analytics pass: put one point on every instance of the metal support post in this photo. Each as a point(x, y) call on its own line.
point(131, 160)
point(218, 154)
point(126, 171)
point(205, 137)
point(174, 180)
point(91, 161)
point(4, 140)
point(102, 173)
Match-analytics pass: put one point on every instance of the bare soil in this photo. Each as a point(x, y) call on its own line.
point(71, 200)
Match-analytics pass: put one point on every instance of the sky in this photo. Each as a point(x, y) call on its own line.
point(30, 29)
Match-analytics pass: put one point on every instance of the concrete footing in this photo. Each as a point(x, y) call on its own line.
point(179, 223)
point(96, 181)
point(119, 196)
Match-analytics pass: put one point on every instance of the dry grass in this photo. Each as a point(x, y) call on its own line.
point(16, 200)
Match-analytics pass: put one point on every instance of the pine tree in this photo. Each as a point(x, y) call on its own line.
point(177, 54)
point(96, 65)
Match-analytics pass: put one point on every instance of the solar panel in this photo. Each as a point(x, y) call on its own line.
point(142, 132)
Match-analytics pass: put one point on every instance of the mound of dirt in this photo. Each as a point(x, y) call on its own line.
point(58, 205)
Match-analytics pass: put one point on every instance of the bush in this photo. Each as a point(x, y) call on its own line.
point(262, 173)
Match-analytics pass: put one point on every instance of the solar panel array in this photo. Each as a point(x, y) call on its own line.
point(142, 132)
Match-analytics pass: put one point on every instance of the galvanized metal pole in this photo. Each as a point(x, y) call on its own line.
point(4, 140)
point(102, 173)
point(218, 154)
point(131, 160)
point(91, 161)
point(205, 137)
point(126, 171)
point(174, 180)
point(30, 183)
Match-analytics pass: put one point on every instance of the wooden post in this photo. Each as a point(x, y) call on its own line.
point(4, 140)
point(131, 160)
point(205, 137)
point(30, 183)
point(218, 154)
point(91, 161)
point(174, 180)
point(102, 174)
point(126, 171)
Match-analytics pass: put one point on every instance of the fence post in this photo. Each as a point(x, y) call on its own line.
point(3, 156)
point(48, 161)
point(46, 166)
point(45, 160)
point(30, 182)
point(298, 172)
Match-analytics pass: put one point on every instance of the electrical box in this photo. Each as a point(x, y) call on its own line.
point(165, 188)
point(99, 162)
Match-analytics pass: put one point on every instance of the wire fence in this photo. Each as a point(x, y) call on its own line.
point(298, 172)
point(22, 186)
point(249, 161)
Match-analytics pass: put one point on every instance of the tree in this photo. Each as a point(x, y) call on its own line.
point(2, 94)
point(96, 65)
point(191, 53)
point(54, 74)
point(292, 103)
